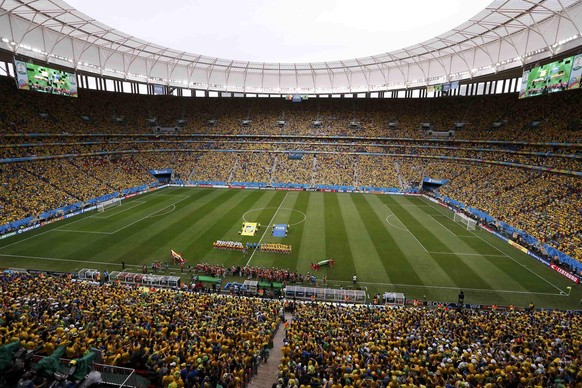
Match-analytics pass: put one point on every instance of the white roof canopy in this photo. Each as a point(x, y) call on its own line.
point(506, 34)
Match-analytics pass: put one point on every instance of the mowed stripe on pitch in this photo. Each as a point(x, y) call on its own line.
point(298, 201)
point(431, 271)
point(337, 245)
point(480, 266)
point(459, 271)
point(394, 259)
point(510, 260)
point(155, 242)
point(491, 274)
point(277, 216)
point(297, 233)
point(367, 261)
point(88, 246)
point(313, 241)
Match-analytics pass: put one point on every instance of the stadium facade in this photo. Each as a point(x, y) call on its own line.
point(485, 54)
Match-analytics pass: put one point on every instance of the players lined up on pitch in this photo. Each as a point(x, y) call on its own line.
point(276, 248)
point(263, 247)
point(229, 245)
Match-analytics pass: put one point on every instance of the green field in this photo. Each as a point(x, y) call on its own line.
point(393, 243)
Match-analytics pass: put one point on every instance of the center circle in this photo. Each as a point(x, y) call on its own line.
point(282, 208)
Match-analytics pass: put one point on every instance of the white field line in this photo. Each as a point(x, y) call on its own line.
point(25, 239)
point(149, 215)
point(331, 281)
point(506, 255)
point(173, 206)
point(267, 228)
point(80, 231)
point(449, 288)
point(396, 226)
point(128, 207)
point(154, 214)
point(59, 228)
point(68, 260)
point(408, 230)
point(466, 254)
point(45, 232)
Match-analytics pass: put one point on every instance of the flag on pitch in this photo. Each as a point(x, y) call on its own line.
point(177, 256)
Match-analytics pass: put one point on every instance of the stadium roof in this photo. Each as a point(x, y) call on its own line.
point(506, 34)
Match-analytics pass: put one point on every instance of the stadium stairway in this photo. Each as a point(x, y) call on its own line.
point(397, 168)
point(269, 371)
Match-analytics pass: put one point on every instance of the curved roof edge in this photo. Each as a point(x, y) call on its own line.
point(505, 35)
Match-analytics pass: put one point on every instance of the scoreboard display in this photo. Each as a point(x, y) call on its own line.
point(549, 78)
point(45, 79)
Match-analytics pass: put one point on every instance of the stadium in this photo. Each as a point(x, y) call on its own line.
point(405, 219)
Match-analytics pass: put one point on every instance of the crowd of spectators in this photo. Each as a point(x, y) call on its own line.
point(334, 169)
point(289, 170)
point(544, 204)
point(213, 166)
point(376, 172)
point(179, 339)
point(103, 112)
point(23, 195)
point(346, 346)
point(190, 339)
point(250, 167)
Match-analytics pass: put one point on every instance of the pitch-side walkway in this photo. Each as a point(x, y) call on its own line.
point(269, 371)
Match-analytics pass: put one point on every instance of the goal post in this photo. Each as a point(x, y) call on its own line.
point(101, 207)
point(465, 220)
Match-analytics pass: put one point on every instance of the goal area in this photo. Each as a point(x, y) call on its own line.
point(461, 218)
point(101, 207)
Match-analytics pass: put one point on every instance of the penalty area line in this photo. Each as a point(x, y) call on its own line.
point(46, 231)
point(154, 214)
point(511, 258)
point(127, 207)
point(402, 223)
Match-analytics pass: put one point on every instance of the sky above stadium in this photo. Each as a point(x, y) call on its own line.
point(282, 31)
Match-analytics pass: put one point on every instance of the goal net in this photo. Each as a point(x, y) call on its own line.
point(463, 219)
point(101, 207)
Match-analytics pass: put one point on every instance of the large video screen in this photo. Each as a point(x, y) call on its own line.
point(549, 78)
point(575, 81)
point(44, 79)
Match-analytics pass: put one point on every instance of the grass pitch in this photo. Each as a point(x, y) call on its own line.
point(392, 243)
